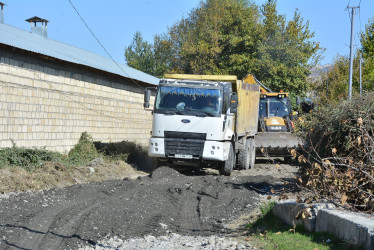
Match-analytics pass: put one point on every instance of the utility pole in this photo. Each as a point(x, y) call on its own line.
point(360, 74)
point(351, 52)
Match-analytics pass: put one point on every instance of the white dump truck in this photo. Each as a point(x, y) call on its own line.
point(204, 120)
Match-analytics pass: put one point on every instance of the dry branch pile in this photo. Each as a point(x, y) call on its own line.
point(339, 154)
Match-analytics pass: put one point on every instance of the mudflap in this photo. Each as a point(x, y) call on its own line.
point(276, 143)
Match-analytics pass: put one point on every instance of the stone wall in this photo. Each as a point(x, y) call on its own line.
point(49, 104)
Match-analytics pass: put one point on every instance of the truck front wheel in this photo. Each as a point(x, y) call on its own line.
point(227, 166)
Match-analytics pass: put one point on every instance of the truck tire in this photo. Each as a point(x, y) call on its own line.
point(227, 166)
point(244, 157)
point(252, 152)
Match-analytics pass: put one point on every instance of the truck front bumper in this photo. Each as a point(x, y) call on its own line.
point(210, 151)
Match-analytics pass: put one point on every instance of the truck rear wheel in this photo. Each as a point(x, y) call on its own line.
point(227, 166)
point(244, 157)
point(252, 152)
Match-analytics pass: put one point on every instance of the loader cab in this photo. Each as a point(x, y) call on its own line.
point(274, 112)
point(274, 105)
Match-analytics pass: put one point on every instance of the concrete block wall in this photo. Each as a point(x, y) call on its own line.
point(49, 104)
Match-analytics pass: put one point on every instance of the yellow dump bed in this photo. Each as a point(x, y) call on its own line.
point(248, 100)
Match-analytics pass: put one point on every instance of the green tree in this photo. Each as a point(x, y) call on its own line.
point(333, 85)
point(285, 52)
point(218, 37)
point(233, 37)
point(149, 58)
point(139, 54)
point(367, 42)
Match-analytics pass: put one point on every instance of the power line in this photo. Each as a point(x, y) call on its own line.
point(102, 46)
point(93, 34)
point(88, 108)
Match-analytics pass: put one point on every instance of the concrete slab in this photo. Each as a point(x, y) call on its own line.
point(289, 209)
point(357, 228)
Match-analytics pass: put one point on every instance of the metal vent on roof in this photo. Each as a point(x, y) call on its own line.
point(2, 12)
point(40, 30)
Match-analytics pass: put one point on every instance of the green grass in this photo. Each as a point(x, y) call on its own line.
point(271, 233)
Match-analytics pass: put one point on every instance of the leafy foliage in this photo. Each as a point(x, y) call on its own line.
point(27, 158)
point(339, 155)
point(150, 58)
point(219, 37)
point(233, 37)
point(31, 158)
point(367, 41)
point(334, 84)
point(285, 52)
point(84, 151)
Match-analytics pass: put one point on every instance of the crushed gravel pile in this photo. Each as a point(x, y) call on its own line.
point(171, 242)
point(124, 213)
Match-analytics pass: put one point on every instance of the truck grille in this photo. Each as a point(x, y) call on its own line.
point(175, 146)
point(185, 135)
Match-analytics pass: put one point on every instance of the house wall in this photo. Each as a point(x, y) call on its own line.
point(49, 104)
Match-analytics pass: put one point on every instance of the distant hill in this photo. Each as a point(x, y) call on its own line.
point(318, 71)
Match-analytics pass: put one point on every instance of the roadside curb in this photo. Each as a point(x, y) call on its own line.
point(356, 228)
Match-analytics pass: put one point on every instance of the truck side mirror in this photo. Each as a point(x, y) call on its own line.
point(234, 103)
point(147, 97)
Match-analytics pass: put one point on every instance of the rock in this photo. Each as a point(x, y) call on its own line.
point(96, 162)
point(212, 241)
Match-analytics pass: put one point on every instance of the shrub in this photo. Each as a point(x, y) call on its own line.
point(27, 158)
point(339, 152)
point(84, 151)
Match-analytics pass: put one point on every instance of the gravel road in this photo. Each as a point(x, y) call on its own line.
point(199, 210)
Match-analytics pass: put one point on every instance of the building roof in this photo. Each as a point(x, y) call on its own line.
point(32, 42)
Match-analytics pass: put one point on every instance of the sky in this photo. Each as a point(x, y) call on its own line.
point(114, 22)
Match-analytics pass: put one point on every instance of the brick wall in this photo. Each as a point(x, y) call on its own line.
point(49, 104)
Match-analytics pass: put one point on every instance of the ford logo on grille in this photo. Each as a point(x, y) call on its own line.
point(186, 121)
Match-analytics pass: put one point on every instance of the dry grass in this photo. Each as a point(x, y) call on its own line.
point(23, 169)
point(17, 179)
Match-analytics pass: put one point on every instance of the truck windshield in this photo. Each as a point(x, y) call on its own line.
point(189, 99)
point(277, 106)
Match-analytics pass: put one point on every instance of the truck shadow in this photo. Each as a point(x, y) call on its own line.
point(136, 155)
point(194, 171)
point(266, 188)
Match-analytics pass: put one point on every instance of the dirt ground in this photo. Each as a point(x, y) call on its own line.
point(138, 204)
